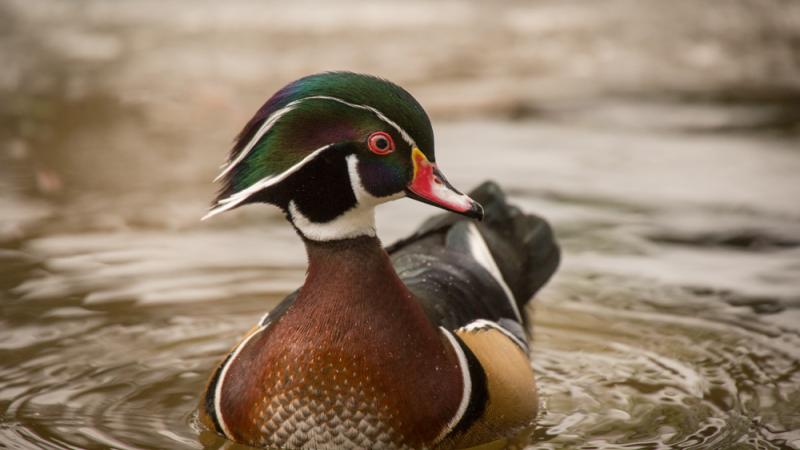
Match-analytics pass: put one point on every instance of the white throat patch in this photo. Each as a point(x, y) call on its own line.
point(357, 221)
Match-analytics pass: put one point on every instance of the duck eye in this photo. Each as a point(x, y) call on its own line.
point(380, 143)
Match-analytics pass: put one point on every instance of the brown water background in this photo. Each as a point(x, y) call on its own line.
point(659, 138)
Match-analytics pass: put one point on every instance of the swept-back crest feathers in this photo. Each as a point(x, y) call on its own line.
point(309, 116)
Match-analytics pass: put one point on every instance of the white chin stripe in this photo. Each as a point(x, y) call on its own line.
point(357, 221)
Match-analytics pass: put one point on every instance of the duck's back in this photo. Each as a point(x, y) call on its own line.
point(463, 271)
point(474, 279)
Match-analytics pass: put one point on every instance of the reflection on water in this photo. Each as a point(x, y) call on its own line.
point(672, 324)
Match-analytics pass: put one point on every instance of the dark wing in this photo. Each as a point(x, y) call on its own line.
point(464, 271)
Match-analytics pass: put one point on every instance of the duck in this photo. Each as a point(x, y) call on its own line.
point(422, 344)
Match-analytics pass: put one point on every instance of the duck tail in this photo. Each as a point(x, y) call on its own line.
point(522, 245)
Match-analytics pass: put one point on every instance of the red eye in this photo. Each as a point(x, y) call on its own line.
point(380, 143)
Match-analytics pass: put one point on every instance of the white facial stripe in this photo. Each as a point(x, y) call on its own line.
point(357, 221)
point(480, 251)
point(380, 115)
point(467, 382)
point(238, 197)
point(277, 115)
point(271, 120)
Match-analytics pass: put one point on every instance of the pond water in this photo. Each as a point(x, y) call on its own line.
point(674, 321)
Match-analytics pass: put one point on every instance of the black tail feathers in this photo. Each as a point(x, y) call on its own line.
point(523, 245)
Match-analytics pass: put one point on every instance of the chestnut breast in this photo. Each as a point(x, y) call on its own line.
point(351, 364)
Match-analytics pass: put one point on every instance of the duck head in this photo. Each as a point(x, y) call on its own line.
point(328, 148)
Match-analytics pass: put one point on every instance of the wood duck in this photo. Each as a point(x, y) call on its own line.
point(418, 345)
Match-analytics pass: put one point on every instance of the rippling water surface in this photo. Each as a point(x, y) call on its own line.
point(674, 321)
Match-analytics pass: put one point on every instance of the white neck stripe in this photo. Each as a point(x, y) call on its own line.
point(482, 324)
point(357, 221)
point(224, 372)
point(466, 394)
point(273, 118)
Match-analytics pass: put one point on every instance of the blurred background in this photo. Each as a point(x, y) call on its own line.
point(661, 139)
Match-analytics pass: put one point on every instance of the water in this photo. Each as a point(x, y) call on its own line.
point(674, 321)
